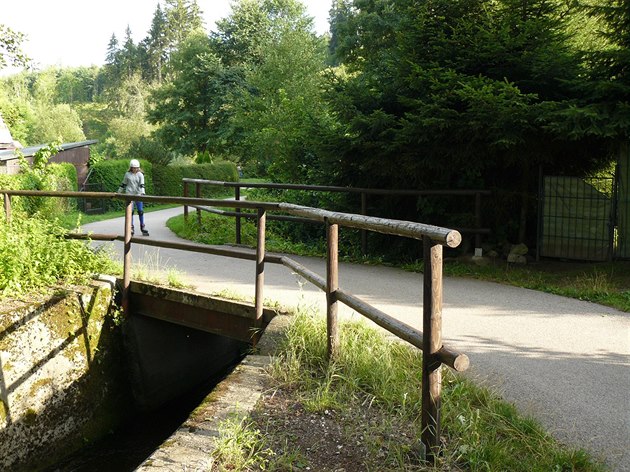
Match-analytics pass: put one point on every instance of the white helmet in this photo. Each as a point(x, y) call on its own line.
point(134, 163)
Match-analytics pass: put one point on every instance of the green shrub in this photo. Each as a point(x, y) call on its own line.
point(65, 176)
point(151, 150)
point(42, 176)
point(161, 180)
point(168, 179)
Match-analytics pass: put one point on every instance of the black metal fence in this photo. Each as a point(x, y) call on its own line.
point(585, 219)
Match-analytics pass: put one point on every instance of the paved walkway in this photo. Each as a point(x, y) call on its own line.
point(564, 361)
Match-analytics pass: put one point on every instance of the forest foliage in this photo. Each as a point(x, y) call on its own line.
point(431, 94)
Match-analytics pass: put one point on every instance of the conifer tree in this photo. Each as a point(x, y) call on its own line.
point(183, 17)
point(156, 44)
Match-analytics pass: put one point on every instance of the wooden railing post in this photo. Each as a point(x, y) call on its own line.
point(477, 220)
point(431, 344)
point(127, 258)
point(185, 206)
point(260, 262)
point(198, 195)
point(237, 197)
point(364, 232)
point(332, 285)
point(7, 207)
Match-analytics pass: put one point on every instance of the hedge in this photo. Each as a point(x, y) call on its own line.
point(168, 180)
point(106, 176)
point(65, 175)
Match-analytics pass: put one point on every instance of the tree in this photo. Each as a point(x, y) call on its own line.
point(111, 56)
point(55, 123)
point(77, 85)
point(339, 14)
point(601, 109)
point(454, 94)
point(112, 68)
point(11, 53)
point(183, 17)
point(282, 112)
point(128, 56)
point(157, 45)
point(191, 111)
point(240, 38)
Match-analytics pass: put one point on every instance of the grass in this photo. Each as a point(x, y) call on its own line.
point(373, 391)
point(216, 229)
point(604, 283)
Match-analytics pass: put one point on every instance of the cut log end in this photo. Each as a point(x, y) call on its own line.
point(453, 239)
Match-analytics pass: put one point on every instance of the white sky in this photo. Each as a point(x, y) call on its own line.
point(74, 33)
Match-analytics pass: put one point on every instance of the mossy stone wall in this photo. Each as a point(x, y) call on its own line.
point(62, 383)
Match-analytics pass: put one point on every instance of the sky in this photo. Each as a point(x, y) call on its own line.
point(71, 33)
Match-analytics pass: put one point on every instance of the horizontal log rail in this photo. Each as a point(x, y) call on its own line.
point(477, 231)
point(332, 188)
point(429, 340)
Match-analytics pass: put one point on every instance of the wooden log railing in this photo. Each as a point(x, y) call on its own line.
point(477, 230)
point(429, 340)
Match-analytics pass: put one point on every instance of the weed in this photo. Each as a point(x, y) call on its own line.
point(151, 269)
point(240, 445)
point(174, 278)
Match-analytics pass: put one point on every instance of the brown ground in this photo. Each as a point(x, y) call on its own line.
point(360, 439)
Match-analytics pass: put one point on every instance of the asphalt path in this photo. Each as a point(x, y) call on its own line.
point(563, 361)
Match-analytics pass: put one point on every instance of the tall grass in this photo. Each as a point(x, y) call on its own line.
point(34, 255)
point(381, 378)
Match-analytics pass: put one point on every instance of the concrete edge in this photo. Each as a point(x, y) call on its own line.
point(190, 448)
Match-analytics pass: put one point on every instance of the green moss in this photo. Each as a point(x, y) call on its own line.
point(39, 384)
point(29, 417)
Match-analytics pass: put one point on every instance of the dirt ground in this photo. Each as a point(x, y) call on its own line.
point(357, 440)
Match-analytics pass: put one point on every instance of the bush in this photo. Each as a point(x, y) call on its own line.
point(42, 176)
point(161, 180)
point(168, 179)
point(150, 150)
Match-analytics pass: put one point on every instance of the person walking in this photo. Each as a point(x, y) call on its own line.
point(133, 184)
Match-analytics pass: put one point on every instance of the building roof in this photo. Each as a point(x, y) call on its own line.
point(10, 154)
point(6, 140)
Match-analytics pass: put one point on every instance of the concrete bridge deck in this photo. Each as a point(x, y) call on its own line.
point(564, 361)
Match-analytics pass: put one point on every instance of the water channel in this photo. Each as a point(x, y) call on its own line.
point(136, 439)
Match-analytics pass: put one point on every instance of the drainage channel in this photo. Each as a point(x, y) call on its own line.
point(136, 439)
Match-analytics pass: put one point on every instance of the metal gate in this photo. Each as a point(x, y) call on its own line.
point(622, 242)
point(576, 218)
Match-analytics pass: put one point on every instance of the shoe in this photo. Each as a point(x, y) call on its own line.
point(144, 232)
point(132, 232)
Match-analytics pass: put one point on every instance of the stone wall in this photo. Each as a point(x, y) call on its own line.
point(62, 382)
